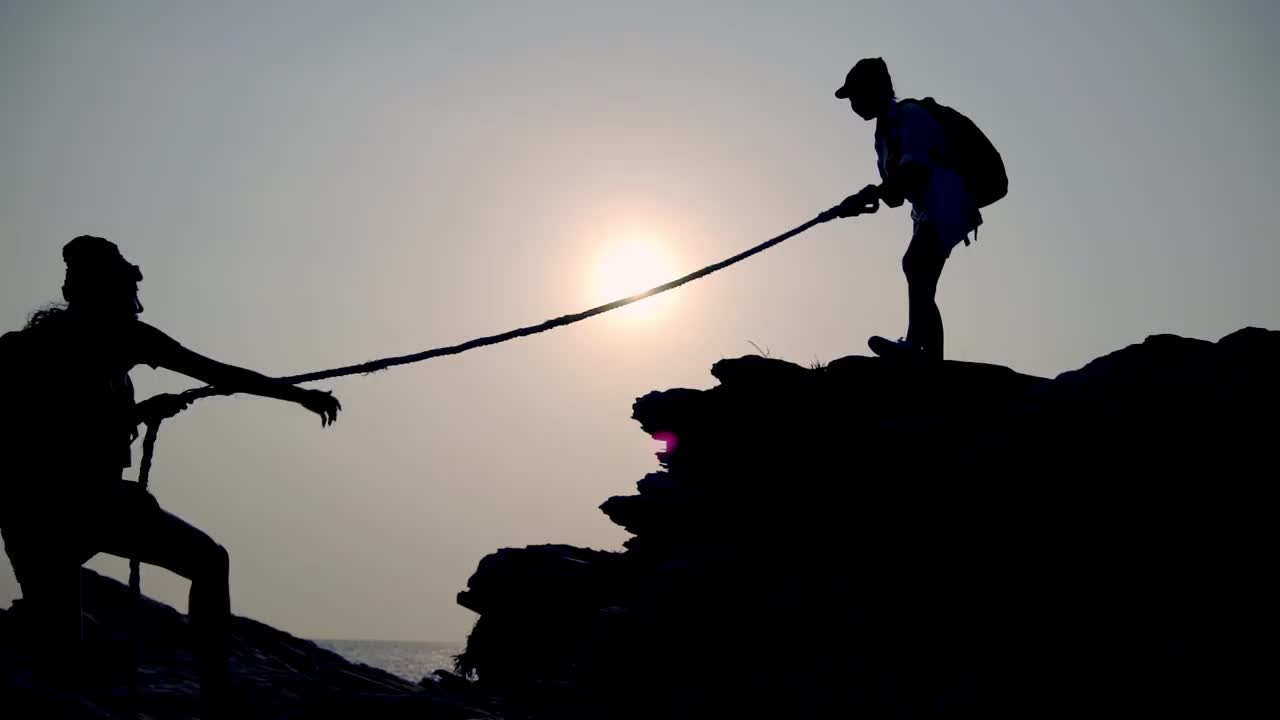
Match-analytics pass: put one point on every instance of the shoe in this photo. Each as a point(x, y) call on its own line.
point(893, 349)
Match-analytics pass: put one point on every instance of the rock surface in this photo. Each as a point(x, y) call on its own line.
point(138, 663)
point(893, 540)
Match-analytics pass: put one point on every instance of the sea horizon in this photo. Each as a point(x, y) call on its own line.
point(409, 659)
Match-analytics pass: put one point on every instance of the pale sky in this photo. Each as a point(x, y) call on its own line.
point(312, 184)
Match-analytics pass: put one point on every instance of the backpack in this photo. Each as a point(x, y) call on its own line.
point(970, 153)
point(32, 401)
point(19, 363)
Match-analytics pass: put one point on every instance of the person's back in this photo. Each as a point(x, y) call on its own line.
point(78, 400)
point(14, 425)
point(73, 415)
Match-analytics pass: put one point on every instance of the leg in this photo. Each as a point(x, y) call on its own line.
point(48, 571)
point(140, 528)
point(922, 264)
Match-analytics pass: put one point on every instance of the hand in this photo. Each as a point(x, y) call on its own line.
point(866, 200)
point(161, 407)
point(322, 403)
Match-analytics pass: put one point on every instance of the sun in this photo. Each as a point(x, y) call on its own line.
point(629, 266)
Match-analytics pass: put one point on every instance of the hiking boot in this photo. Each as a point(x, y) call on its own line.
point(893, 349)
point(900, 349)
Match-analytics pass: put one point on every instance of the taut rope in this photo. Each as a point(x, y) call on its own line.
point(372, 366)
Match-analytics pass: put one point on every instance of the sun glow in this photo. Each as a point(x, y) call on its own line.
point(630, 266)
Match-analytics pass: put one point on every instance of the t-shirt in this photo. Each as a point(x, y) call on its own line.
point(909, 133)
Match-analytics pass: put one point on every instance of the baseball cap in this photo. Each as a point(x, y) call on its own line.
point(864, 71)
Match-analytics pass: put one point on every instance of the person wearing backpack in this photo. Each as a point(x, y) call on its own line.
point(69, 421)
point(939, 161)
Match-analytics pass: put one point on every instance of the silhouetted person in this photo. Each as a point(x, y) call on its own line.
point(68, 501)
point(934, 158)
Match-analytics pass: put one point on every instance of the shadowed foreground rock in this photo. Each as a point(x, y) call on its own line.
point(275, 674)
point(880, 540)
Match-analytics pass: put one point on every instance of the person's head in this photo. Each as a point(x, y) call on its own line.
point(868, 88)
point(100, 282)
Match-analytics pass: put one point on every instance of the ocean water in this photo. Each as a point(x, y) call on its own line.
point(410, 660)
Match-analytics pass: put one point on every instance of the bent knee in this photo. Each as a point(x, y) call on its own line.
point(910, 265)
point(915, 266)
point(217, 561)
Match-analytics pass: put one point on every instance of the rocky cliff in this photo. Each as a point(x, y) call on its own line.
point(890, 540)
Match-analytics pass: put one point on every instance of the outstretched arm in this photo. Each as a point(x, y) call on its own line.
point(165, 352)
point(238, 379)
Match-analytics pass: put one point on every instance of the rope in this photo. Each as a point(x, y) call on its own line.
point(144, 479)
point(372, 366)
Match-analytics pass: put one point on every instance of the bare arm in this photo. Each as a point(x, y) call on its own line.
point(237, 379)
